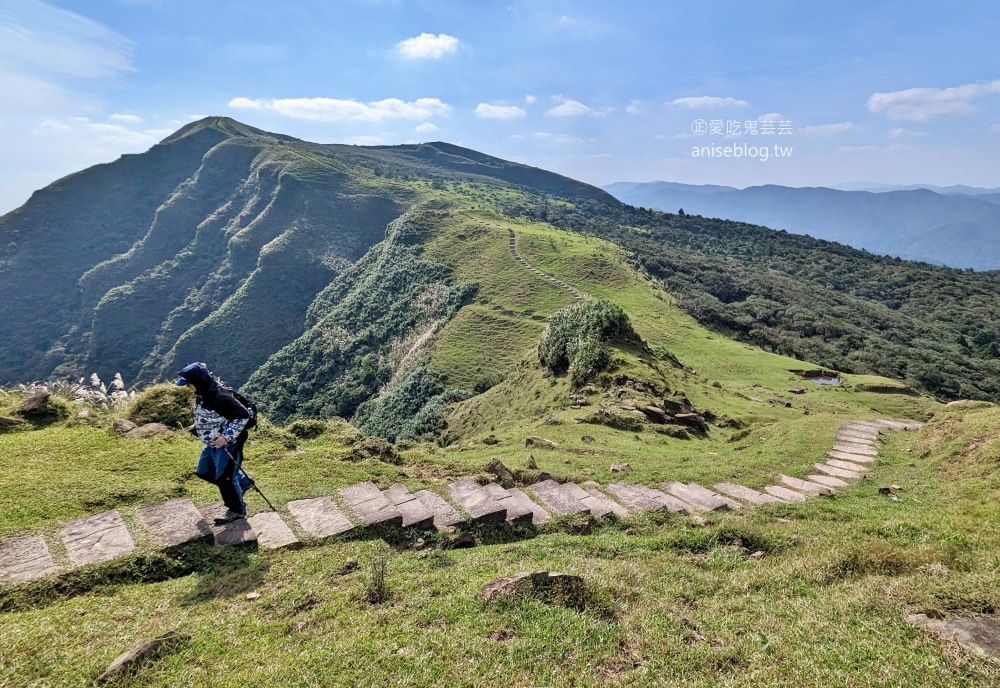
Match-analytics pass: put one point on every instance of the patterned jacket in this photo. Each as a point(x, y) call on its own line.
point(208, 424)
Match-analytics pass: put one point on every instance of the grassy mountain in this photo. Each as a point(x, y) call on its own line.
point(946, 227)
point(377, 283)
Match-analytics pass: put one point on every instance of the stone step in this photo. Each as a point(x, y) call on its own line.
point(415, 514)
point(853, 458)
point(538, 513)
point(516, 509)
point(599, 503)
point(236, 532)
point(785, 494)
point(805, 485)
point(854, 448)
point(669, 502)
point(855, 436)
point(370, 505)
point(704, 491)
point(896, 425)
point(560, 499)
point(827, 480)
point(865, 425)
point(272, 531)
point(862, 429)
point(747, 494)
point(836, 472)
point(320, 517)
point(480, 505)
point(174, 522)
point(23, 558)
point(92, 539)
point(445, 515)
point(702, 499)
point(633, 498)
point(847, 466)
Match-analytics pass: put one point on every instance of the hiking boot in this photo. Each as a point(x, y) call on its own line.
point(229, 517)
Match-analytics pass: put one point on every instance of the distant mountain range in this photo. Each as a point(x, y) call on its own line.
point(956, 226)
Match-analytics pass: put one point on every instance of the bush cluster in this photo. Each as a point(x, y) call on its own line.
point(577, 339)
point(168, 404)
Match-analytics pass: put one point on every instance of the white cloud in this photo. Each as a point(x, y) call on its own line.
point(827, 130)
point(530, 100)
point(364, 141)
point(995, 128)
point(703, 102)
point(900, 132)
point(427, 46)
point(555, 138)
point(771, 117)
point(569, 108)
point(336, 110)
point(425, 128)
point(922, 104)
point(634, 107)
point(487, 111)
point(129, 119)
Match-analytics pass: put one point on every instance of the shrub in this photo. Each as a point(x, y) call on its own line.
point(45, 407)
point(307, 428)
point(168, 404)
point(577, 339)
point(375, 448)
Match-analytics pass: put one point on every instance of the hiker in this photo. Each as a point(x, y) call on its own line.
point(220, 421)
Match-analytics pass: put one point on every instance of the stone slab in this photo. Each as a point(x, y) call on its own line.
point(23, 558)
point(862, 428)
point(745, 493)
point(538, 513)
point(516, 509)
point(445, 515)
point(855, 448)
point(698, 489)
point(415, 514)
point(696, 498)
point(174, 522)
point(320, 517)
point(805, 485)
point(370, 505)
point(856, 436)
point(480, 505)
point(601, 505)
point(785, 494)
point(853, 458)
point(827, 480)
point(559, 498)
point(633, 498)
point(236, 532)
point(865, 425)
point(92, 539)
point(978, 634)
point(670, 502)
point(892, 424)
point(836, 472)
point(272, 531)
point(847, 466)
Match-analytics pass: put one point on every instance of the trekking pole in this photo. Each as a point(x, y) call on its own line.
point(253, 483)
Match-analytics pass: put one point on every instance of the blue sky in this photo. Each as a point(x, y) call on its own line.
point(890, 92)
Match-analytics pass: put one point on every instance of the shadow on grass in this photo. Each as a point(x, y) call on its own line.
point(222, 571)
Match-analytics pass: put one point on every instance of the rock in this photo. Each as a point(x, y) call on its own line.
point(552, 420)
point(541, 442)
point(497, 468)
point(692, 420)
point(757, 556)
point(123, 425)
point(351, 564)
point(588, 439)
point(558, 588)
point(147, 652)
point(6, 423)
point(464, 539)
point(566, 461)
point(796, 390)
point(253, 595)
point(980, 635)
point(617, 467)
point(655, 414)
point(148, 431)
point(639, 387)
point(531, 463)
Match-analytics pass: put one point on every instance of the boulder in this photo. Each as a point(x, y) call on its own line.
point(620, 467)
point(503, 474)
point(148, 431)
point(692, 420)
point(552, 588)
point(655, 414)
point(531, 463)
point(123, 426)
point(6, 423)
point(147, 652)
point(796, 390)
point(535, 441)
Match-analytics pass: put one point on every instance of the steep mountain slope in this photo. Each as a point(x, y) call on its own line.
point(947, 229)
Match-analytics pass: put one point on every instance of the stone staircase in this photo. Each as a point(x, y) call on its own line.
point(106, 536)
